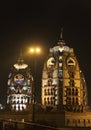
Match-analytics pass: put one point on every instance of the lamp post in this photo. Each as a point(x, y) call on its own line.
point(34, 51)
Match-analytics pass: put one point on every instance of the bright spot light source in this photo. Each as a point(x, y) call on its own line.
point(31, 50)
point(37, 50)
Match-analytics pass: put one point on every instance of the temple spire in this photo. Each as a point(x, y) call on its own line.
point(20, 59)
point(61, 35)
point(61, 41)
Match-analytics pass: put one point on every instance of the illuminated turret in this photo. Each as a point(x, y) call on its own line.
point(19, 94)
point(63, 84)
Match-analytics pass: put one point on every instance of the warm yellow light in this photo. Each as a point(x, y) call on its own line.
point(37, 50)
point(31, 50)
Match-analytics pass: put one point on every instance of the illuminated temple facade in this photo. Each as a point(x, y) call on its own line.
point(64, 96)
point(19, 93)
point(64, 88)
point(63, 83)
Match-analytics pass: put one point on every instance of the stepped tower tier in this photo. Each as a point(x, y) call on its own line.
point(19, 92)
point(63, 83)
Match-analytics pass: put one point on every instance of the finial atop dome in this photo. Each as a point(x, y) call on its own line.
point(20, 59)
point(61, 35)
point(61, 41)
point(20, 63)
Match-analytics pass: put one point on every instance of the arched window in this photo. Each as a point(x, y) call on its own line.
point(76, 93)
point(73, 101)
point(45, 101)
point(72, 91)
point(45, 93)
point(49, 82)
point(76, 101)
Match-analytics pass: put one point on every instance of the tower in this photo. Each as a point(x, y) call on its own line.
point(19, 92)
point(63, 83)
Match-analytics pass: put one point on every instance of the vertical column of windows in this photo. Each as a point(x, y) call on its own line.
point(71, 77)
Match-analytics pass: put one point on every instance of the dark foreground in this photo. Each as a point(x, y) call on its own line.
point(17, 125)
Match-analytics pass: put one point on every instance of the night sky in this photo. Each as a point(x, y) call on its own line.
point(24, 24)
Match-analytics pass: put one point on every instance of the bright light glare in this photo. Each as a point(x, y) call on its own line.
point(35, 50)
point(31, 50)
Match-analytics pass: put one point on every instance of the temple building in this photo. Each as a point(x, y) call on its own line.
point(19, 92)
point(63, 83)
point(64, 87)
point(64, 96)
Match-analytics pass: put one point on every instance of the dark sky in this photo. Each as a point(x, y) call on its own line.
point(24, 23)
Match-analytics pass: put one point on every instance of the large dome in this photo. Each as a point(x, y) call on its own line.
point(63, 84)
